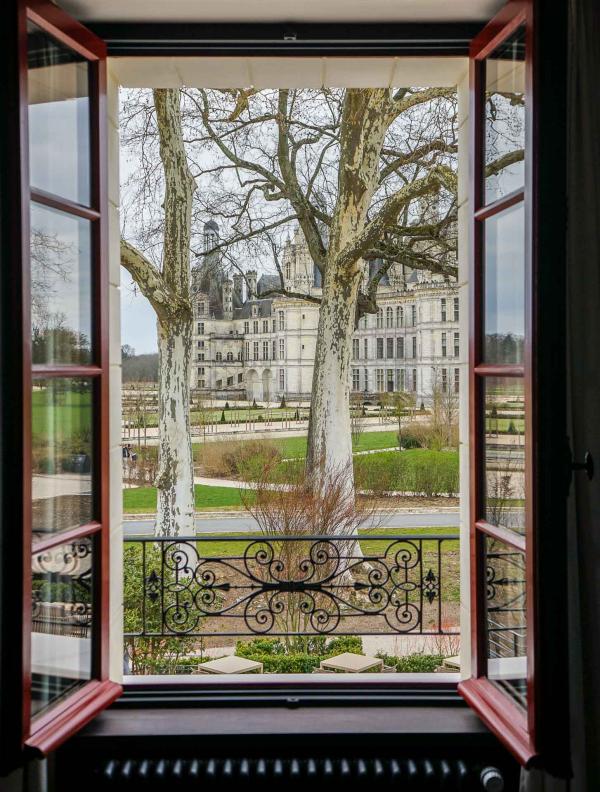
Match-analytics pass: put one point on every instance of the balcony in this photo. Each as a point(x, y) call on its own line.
point(211, 591)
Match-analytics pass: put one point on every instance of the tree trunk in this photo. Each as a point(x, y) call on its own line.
point(175, 479)
point(329, 430)
point(362, 132)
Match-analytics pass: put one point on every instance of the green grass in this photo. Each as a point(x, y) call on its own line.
point(295, 447)
point(142, 500)
point(60, 413)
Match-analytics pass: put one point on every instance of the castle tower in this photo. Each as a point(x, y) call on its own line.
point(227, 291)
point(238, 287)
point(251, 281)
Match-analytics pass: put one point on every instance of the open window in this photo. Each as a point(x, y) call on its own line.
point(515, 535)
point(60, 330)
point(60, 474)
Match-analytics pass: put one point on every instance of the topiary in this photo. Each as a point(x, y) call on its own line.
point(222, 420)
point(282, 405)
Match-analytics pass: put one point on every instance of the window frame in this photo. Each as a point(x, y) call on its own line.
point(44, 732)
point(539, 736)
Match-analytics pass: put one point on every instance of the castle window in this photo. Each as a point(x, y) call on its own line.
point(254, 310)
point(229, 381)
point(355, 348)
point(380, 317)
point(240, 377)
point(281, 315)
point(399, 347)
point(281, 349)
point(230, 357)
point(444, 380)
point(200, 328)
point(282, 379)
point(255, 350)
point(255, 327)
point(389, 347)
point(380, 380)
point(379, 348)
point(456, 345)
point(444, 345)
point(456, 309)
point(355, 379)
point(265, 326)
point(366, 348)
point(414, 380)
point(288, 271)
point(247, 350)
point(399, 316)
point(265, 350)
point(219, 357)
point(443, 307)
point(274, 347)
point(414, 346)
point(389, 316)
point(246, 327)
point(456, 380)
point(413, 312)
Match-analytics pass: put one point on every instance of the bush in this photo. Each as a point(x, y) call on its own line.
point(426, 473)
point(222, 419)
point(413, 663)
point(282, 405)
point(277, 658)
point(226, 405)
point(246, 458)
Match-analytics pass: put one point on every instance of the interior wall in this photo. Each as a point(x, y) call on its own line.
point(116, 461)
point(464, 220)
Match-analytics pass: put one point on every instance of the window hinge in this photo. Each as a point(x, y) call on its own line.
point(587, 465)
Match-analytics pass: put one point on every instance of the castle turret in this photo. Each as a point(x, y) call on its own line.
point(238, 287)
point(251, 281)
point(227, 299)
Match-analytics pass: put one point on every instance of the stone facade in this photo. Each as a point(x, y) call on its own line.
point(262, 347)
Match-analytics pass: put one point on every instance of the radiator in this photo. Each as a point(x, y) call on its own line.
point(273, 773)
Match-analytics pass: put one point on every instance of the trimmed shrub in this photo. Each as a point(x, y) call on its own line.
point(246, 458)
point(413, 663)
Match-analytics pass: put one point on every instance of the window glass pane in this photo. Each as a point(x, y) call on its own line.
point(61, 274)
point(504, 452)
point(506, 618)
point(59, 120)
point(62, 452)
point(504, 143)
point(504, 277)
point(61, 640)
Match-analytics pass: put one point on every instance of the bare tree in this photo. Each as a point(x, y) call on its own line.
point(359, 170)
point(167, 288)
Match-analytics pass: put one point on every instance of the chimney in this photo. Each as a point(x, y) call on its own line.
point(238, 286)
point(227, 299)
point(251, 281)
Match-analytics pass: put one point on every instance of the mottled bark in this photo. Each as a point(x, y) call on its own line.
point(362, 132)
point(168, 291)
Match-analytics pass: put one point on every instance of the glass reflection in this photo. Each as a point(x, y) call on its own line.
point(61, 640)
point(61, 273)
point(504, 143)
point(504, 452)
point(59, 118)
point(504, 286)
point(506, 619)
point(62, 452)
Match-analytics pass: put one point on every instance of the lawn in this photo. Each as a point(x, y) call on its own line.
point(295, 447)
point(142, 500)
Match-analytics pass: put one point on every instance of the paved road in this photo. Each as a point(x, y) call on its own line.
point(247, 524)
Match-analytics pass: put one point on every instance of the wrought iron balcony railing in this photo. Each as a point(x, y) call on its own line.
point(234, 585)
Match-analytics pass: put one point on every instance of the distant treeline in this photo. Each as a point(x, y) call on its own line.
point(140, 368)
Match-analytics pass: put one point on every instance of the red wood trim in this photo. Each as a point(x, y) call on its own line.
point(498, 370)
point(101, 321)
point(62, 722)
point(65, 537)
point(500, 205)
point(505, 719)
point(63, 205)
point(65, 28)
point(506, 21)
point(25, 337)
point(41, 370)
point(503, 534)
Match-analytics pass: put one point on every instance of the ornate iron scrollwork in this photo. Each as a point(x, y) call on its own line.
point(291, 586)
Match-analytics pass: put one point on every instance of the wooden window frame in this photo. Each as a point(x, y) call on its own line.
point(538, 736)
point(50, 728)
